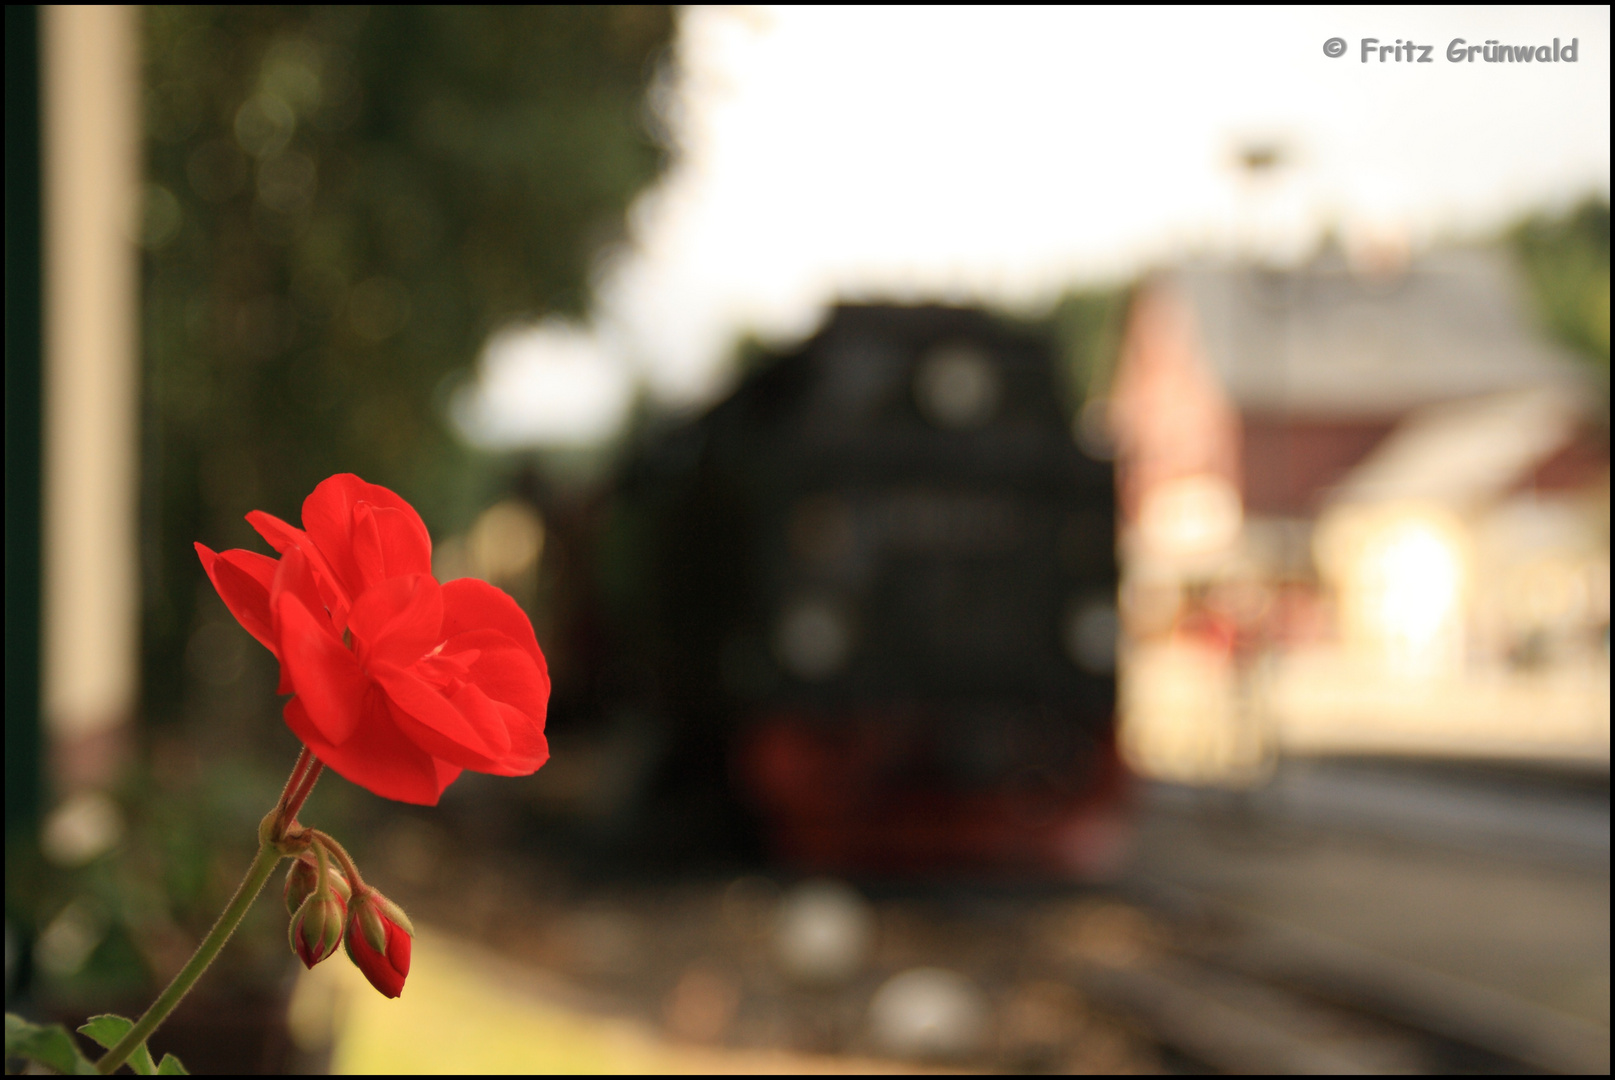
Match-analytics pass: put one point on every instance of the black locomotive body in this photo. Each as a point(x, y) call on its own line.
point(880, 590)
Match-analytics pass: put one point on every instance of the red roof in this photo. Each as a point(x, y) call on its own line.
point(1288, 463)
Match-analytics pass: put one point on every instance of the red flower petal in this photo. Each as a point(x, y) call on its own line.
point(242, 579)
point(503, 670)
point(400, 946)
point(399, 620)
point(386, 972)
point(469, 733)
point(508, 676)
point(388, 542)
point(469, 604)
point(529, 750)
point(401, 540)
point(446, 774)
point(279, 535)
point(378, 757)
point(325, 675)
point(296, 577)
point(369, 560)
point(286, 539)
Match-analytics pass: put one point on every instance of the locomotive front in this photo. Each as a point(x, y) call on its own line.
point(893, 602)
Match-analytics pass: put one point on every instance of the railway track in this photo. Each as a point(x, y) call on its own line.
point(1308, 935)
point(1153, 977)
point(1375, 917)
point(1233, 991)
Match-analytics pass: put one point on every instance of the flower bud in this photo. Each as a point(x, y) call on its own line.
point(378, 943)
point(316, 928)
point(392, 911)
point(303, 875)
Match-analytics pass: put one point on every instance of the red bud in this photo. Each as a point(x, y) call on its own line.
point(392, 911)
point(316, 928)
point(377, 944)
point(302, 877)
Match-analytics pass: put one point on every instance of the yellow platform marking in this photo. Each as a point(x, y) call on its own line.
point(467, 1010)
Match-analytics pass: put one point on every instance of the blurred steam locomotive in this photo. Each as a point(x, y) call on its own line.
point(873, 593)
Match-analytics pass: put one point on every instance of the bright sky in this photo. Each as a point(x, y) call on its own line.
point(1004, 155)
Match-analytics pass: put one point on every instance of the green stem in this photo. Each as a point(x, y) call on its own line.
point(304, 759)
point(246, 893)
point(349, 870)
point(290, 809)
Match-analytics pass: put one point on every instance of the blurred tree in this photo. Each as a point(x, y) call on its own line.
point(1566, 260)
point(1088, 328)
point(341, 203)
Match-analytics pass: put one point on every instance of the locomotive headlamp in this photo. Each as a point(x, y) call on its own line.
point(813, 639)
point(1090, 632)
point(957, 386)
point(822, 529)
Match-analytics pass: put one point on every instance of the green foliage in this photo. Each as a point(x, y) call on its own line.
point(1088, 329)
point(48, 1044)
point(341, 203)
point(107, 1029)
point(137, 911)
point(1566, 261)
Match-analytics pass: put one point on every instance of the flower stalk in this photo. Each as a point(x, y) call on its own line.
point(276, 835)
point(296, 792)
point(350, 870)
point(251, 885)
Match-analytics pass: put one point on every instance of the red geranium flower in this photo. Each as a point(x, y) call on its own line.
point(399, 683)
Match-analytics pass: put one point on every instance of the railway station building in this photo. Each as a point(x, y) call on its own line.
point(1362, 510)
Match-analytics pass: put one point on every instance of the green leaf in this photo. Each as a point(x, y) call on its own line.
point(107, 1029)
point(48, 1044)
